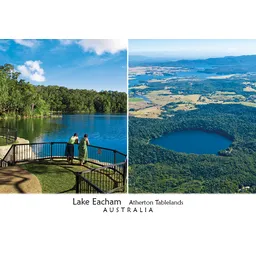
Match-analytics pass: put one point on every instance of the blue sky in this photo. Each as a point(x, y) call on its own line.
point(82, 64)
point(191, 49)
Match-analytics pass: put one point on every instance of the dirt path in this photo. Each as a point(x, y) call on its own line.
point(14, 179)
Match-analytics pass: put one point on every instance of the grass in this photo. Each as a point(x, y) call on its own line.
point(55, 177)
point(226, 92)
point(163, 97)
point(150, 112)
point(185, 107)
point(2, 141)
point(58, 176)
point(140, 87)
point(135, 99)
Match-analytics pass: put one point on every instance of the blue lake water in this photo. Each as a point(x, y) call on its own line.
point(141, 79)
point(193, 141)
point(109, 131)
point(191, 73)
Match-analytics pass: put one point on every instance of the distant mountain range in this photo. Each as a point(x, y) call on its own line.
point(137, 59)
point(238, 61)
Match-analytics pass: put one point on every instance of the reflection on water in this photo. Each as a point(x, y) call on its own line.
point(31, 129)
point(108, 131)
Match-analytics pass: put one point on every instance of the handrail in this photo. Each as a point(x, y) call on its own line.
point(61, 142)
point(102, 162)
point(107, 149)
point(118, 180)
point(112, 167)
point(111, 175)
point(105, 166)
point(13, 129)
point(90, 183)
point(9, 134)
point(7, 152)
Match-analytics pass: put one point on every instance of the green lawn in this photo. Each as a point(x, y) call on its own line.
point(58, 176)
point(55, 177)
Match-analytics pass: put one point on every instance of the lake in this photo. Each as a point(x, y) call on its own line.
point(193, 141)
point(190, 73)
point(108, 131)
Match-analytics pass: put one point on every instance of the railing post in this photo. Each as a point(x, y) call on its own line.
point(14, 160)
point(6, 135)
point(125, 173)
point(78, 182)
point(114, 156)
point(51, 151)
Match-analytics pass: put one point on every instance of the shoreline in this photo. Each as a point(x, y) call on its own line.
point(55, 116)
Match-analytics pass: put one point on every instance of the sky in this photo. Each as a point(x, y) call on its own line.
point(191, 48)
point(79, 64)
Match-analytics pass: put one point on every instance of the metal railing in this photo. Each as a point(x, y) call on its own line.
point(106, 168)
point(106, 179)
point(7, 136)
point(53, 150)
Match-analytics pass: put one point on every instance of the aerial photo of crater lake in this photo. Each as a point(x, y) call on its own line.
point(192, 116)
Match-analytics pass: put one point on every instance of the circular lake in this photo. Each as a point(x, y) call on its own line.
point(193, 141)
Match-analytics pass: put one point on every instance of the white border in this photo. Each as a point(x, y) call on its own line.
point(49, 224)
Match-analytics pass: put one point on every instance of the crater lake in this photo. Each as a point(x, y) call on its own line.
point(193, 141)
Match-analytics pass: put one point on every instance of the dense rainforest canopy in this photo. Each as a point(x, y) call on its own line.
point(158, 170)
point(18, 97)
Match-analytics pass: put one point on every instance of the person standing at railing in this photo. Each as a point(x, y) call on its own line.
point(83, 150)
point(70, 147)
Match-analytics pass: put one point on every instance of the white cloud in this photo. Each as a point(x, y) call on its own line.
point(100, 46)
point(27, 43)
point(66, 41)
point(32, 70)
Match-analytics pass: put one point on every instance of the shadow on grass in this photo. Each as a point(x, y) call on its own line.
point(12, 179)
point(60, 177)
point(55, 176)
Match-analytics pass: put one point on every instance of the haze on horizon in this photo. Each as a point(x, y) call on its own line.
point(177, 49)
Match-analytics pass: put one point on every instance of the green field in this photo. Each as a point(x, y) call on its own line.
point(135, 99)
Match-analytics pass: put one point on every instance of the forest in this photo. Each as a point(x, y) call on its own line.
point(20, 98)
point(154, 169)
point(205, 87)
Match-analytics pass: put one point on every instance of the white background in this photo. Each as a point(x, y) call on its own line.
point(49, 224)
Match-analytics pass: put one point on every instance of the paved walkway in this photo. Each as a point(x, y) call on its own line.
point(14, 179)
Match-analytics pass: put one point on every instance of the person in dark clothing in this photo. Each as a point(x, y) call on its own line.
point(70, 147)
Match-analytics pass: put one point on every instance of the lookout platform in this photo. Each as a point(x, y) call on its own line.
point(39, 167)
point(14, 179)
